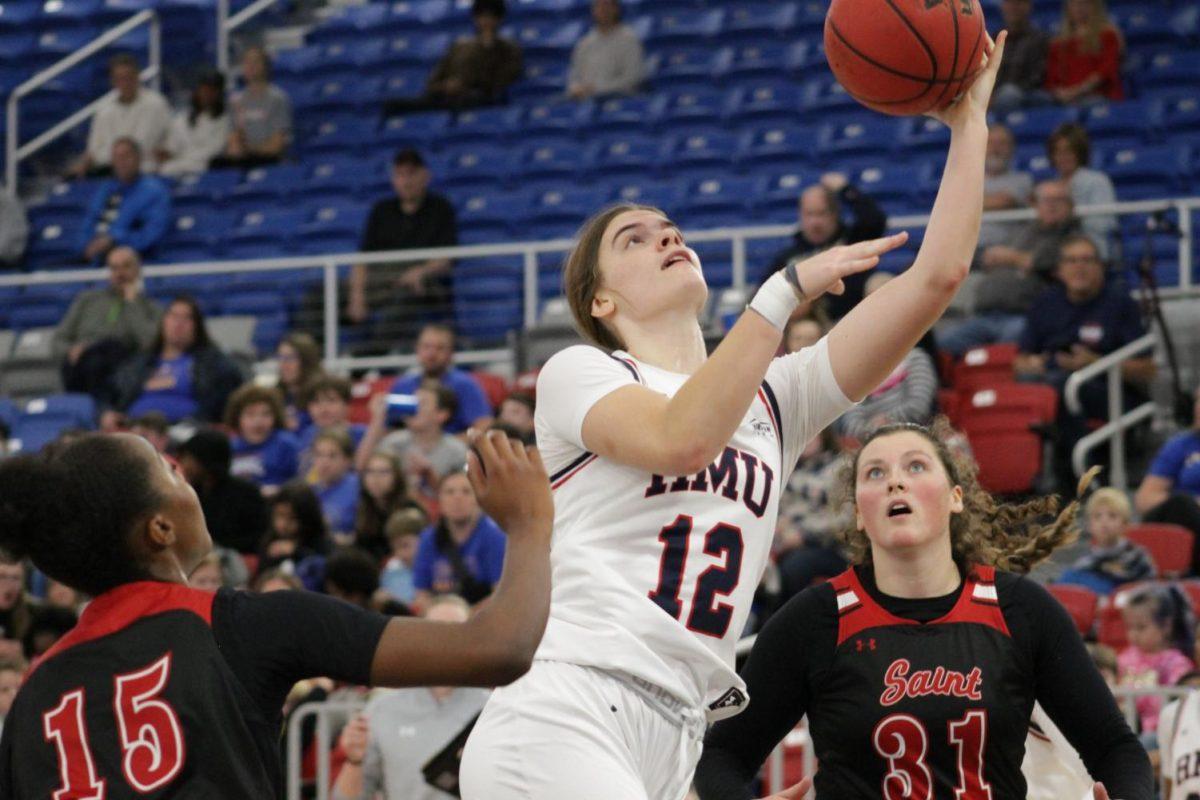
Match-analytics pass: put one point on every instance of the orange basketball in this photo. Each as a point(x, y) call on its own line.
point(905, 56)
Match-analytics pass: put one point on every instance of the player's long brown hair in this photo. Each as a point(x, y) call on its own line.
point(1009, 536)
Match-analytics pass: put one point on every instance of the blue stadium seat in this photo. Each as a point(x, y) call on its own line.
point(550, 158)
point(338, 56)
point(1145, 172)
point(774, 100)
point(757, 60)
point(33, 432)
point(254, 304)
point(33, 314)
point(212, 186)
point(567, 206)
point(666, 195)
point(332, 227)
point(267, 226)
point(52, 239)
point(690, 106)
point(1180, 114)
point(171, 252)
point(68, 197)
point(1178, 69)
point(623, 155)
point(547, 37)
point(776, 146)
point(17, 46)
point(335, 134)
point(343, 174)
point(541, 118)
point(59, 13)
point(401, 82)
point(753, 21)
point(689, 64)
point(8, 409)
point(703, 148)
point(269, 182)
point(824, 95)
point(687, 26)
point(416, 49)
point(1130, 120)
point(351, 21)
point(875, 134)
point(420, 13)
point(268, 332)
point(781, 193)
point(64, 41)
point(80, 409)
point(632, 113)
point(491, 217)
point(483, 165)
point(18, 15)
point(543, 81)
point(413, 130)
point(736, 195)
point(905, 186)
point(344, 92)
point(1036, 124)
point(545, 9)
point(1147, 27)
point(482, 126)
point(297, 61)
point(201, 227)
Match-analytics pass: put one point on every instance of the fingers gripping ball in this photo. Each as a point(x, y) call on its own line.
point(905, 57)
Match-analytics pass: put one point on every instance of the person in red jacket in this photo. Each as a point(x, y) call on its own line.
point(1084, 62)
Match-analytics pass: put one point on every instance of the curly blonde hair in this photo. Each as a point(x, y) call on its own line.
point(1011, 537)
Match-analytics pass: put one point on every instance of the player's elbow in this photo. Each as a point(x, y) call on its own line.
point(691, 456)
point(949, 275)
point(508, 663)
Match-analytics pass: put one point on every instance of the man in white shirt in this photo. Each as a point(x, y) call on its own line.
point(130, 111)
point(609, 59)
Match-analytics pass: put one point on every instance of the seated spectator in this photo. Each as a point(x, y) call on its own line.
point(103, 327)
point(264, 451)
point(1003, 187)
point(199, 134)
point(1070, 152)
point(49, 625)
point(297, 529)
point(1013, 275)
point(423, 448)
point(1084, 61)
point(182, 374)
point(1112, 559)
point(384, 492)
point(233, 508)
point(327, 402)
point(403, 532)
point(352, 575)
point(435, 357)
point(516, 411)
point(299, 358)
point(130, 111)
point(476, 70)
point(463, 553)
point(154, 428)
point(1071, 325)
point(821, 226)
point(129, 209)
point(16, 606)
point(335, 483)
point(1023, 71)
point(1160, 625)
point(608, 59)
point(806, 329)
point(12, 673)
point(1170, 492)
point(396, 298)
point(207, 575)
point(276, 580)
point(380, 764)
point(14, 230)
point(262, 116)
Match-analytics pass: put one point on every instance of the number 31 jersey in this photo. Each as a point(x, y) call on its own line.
point(653, 575)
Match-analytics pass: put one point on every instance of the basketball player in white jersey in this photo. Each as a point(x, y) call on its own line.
point(667, 466)
point(1179, 744)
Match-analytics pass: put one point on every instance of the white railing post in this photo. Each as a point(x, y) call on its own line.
point(10, 147)
point(739, 261)
point(330, 277)
point(223, 36)
point(155, 54)
point(1185, 242)
point(1116, 408)
point(530, 286)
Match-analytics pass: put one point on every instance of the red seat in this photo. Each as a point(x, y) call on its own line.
point(1170, 546)
point(1110, 629)
point(985, 366)
point(361, 393)
point(1191, 588)
point(1008, 453)
point(1037, 402)
point(495, 388)
point(1079, 602)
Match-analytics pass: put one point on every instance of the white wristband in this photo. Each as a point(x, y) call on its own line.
point(778, 297)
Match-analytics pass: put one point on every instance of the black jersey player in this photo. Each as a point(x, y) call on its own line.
point(918, 667)
point(167, 691)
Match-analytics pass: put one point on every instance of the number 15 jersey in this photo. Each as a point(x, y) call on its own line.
point(653, 575)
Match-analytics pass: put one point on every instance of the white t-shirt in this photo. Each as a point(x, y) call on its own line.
point(653, 576)
point(1052, 768)
point(1179, 745)
point(192, 146)
point(147, 120)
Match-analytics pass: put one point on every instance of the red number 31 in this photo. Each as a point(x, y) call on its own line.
point(904, 742)
point(152, 745)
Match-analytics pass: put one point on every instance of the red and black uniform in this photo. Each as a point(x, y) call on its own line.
point(925, 699)
point(166, 691)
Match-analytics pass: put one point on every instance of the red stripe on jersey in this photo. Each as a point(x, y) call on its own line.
point(573, 473)
point(633, 366)
point(968, 608)
point(771, 415)
point(119, 608)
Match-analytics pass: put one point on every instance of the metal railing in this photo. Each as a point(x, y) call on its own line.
point(227, 24)
point(1119, 420)
point(16, 152)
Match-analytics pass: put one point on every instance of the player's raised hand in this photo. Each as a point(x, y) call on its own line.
point(510, 483)
point(799, 791)
point(823, 272)
point(974, 102)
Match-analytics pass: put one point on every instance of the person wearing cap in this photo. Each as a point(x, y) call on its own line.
point(234, 509)
point(199, 133)
point(397, 298)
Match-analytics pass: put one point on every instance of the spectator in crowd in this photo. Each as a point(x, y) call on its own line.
point(103, 327)
point(1161, 629)
point(262, 116)
point(806, 329)
point(463, 553)
point(182, 374)
point(130, 111)
point(435, 361)
point(59, 595)
point(276, 580)
point(299, 358)
point(264, 451)
point(403, 532)
point(14, 230)
point(129, 209)
point(207, 574)
point(906, 395)
point(1112, 559)
point(49, 625)
point(1084, 61)
point(198, 134)
point(608, 59)
point(380, 763)
point(335, 482)
point(516, 411)
point(1003, 187)
point(423, 448)
point(403, 294)
point(821, 226)
point(1071, 325)
point(1170, 491)
point(12, 672)
point(297, 529)
point(234, 509)
point(1023, 71)
point(1014, 274)
point(154, 428)
point(16, 607)
point(476, 70)
point(384, 492)
point(1070, 152)
point(327, 402)
point(352, 575)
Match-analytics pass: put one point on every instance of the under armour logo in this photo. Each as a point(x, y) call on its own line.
point(860, 646)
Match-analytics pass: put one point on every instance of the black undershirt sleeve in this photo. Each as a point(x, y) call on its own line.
point(778, 677)
point(1073, 693)
point(273, 640)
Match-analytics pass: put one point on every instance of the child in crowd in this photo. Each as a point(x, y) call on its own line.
point(384, 491)
point(207, 574)
point(1159, 623)
point(517, 410)
point(276, 580)
point(154, 428)
point(1112, 559)
point(327, 400)
point(297, 529)
point(264, 451)
point(336, 483)
point(12, 671)
point(403, 531)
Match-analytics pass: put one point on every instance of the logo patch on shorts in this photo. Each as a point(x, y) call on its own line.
point(731, 699)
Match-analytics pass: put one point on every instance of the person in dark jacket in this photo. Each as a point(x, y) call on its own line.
point(234, 508)
point(821, 227)
point(183, 374)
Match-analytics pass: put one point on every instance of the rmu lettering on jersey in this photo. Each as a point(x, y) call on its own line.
point(899, 683)
point(736, 475)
